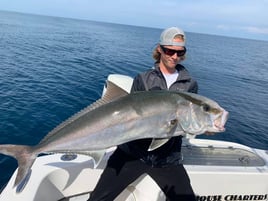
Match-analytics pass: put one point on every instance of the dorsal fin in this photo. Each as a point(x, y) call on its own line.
point(112, 93)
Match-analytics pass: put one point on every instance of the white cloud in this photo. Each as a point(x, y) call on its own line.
point(223, 27)
point(256, 30)
point(248, 29)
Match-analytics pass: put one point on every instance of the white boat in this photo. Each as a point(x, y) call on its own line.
point(218, 170)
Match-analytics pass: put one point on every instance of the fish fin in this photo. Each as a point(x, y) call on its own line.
point(171, 128)
point(23, 182)
point(25, 157)
point(156, 143)
point(113, 92)
point(95, 155)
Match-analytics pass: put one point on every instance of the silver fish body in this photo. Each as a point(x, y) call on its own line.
point(118, 118)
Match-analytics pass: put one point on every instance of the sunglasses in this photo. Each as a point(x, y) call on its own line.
point(171, 52)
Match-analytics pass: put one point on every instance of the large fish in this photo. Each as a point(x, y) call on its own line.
point(120, 117)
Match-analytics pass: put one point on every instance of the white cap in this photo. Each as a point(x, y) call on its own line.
point(167, 36)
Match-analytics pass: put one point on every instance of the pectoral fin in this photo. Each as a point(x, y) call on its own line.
point(95, 155)
point(156, 143)
point(171, 128)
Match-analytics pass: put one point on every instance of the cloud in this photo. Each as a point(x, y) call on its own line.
point(248, 29)
point(256, 30)
point(224, 27)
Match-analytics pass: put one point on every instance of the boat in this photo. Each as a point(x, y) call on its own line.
point(219, 170)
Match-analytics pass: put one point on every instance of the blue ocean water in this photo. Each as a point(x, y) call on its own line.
point(53, 67)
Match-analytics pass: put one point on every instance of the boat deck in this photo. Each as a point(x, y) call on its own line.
point(210, 162)
point(216, 156)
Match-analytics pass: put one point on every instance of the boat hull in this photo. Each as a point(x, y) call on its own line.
point(218, 171)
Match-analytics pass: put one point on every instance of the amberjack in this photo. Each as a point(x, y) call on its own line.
point(119, 117)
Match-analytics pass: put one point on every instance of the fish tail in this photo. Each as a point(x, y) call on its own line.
point(25, 157)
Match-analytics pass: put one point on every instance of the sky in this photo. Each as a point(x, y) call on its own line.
point(234, 18)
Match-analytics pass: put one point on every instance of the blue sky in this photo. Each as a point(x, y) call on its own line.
point(237, 18)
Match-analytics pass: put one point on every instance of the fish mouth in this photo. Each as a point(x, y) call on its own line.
point(219, 123)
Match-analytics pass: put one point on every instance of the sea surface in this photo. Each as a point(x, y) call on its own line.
point(53, 67)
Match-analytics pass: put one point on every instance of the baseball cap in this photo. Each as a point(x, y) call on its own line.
point(167, 36)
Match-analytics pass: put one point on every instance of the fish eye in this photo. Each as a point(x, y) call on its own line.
point(173, 122)
point(206, 107)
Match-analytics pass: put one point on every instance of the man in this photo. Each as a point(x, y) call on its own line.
point(132, 159)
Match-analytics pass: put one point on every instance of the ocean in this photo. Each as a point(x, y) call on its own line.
point(52, 67)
